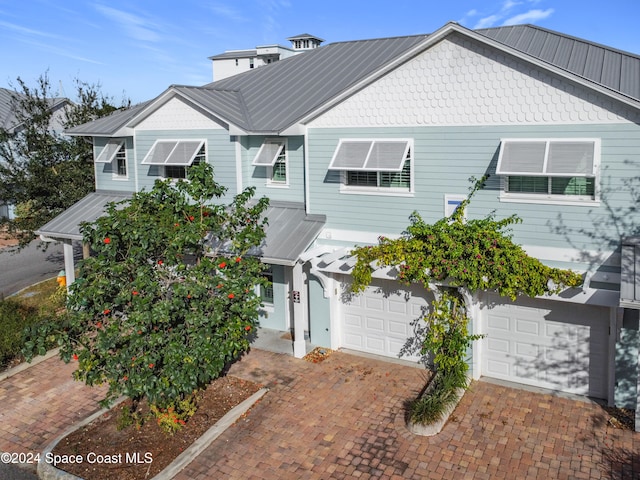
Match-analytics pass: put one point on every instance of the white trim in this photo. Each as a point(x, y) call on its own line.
point(364, 168)
point(119, 141)
point(285, 145)
point(541, 199)
point(114, 165)
point(238, 151)
point(305, 155)
point(272, 161)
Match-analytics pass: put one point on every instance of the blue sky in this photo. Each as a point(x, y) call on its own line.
point(137, 48)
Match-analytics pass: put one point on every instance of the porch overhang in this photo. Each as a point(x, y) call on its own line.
point(66, 226)
point(289, 232)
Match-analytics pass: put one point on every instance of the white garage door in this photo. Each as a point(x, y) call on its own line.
point(379, 320)
point(555, 345)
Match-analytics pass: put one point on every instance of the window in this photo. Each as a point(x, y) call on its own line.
point(266, 291)
point(273, 156)
point(176, 156)
point(251, 63)
point(109, 151)
point(556, 170)
point(120, 164)
point(374, 165)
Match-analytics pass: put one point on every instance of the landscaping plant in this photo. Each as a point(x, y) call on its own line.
point(168, 297)
point(474, 255)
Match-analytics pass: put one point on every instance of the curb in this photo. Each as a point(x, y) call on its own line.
point(47, 471)
point(25, 365)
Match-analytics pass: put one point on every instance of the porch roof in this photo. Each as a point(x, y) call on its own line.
point(66, 226)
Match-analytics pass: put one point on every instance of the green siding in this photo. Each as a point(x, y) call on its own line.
point(220, 154)
point(446, 157)
point(104, 171)
point(257, 176)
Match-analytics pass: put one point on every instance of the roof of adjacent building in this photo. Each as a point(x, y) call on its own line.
point(275, 97)
point(8, 99)
point(304, 36)
point(235, 54)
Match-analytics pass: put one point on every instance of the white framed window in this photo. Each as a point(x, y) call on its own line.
point(176, 156)
point(266, 291)
point(273, 157)
point(115, 153)
point(119, 164)
point(383, 166)
point(558, 170)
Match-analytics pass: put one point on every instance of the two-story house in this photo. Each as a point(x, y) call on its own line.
point(351, 138)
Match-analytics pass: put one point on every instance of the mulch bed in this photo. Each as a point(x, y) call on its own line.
point(140, 453)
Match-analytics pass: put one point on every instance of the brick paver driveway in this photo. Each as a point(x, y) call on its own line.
point(343, 418)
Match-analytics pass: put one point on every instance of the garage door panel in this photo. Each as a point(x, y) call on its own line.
point(373, 303)
point(386, 312)
point(549, 344)
point(375, 324)
point(353, 320)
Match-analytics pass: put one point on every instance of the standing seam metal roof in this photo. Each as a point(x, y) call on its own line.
point(272, 98)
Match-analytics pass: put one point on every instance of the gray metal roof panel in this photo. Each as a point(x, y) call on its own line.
point(235, 54)
point(289, 233)
point(278, 94)
point(91, 207)
point(108, 125)
point(606, 66)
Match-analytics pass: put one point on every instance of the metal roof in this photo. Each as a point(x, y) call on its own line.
point(288, 234)
point(272, 98)
point(108, 125)
point(606, 66)
point(90, 208)
point(290, 231)
point(8, 98)
point(235, 54)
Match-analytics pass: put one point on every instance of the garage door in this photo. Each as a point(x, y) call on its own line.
point(379, 320)
point(555, 345)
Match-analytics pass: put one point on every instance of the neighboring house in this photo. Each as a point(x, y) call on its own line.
point(233, 62)
point(349, 139)
point(8, 121)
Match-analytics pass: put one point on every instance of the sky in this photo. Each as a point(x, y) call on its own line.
point(136, 49)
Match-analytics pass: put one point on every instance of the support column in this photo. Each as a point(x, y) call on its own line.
point(299, 301)
point(69, 265)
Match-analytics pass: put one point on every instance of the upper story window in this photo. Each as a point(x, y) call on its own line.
point(115, 153)
point(549, 170)
point(273, 156)
point(382, 166)
point(175, 156)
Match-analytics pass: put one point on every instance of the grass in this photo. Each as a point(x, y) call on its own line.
point(439, 396)
point(36, 305)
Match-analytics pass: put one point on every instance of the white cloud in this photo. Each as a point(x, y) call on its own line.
point(135, 26)
point(27, 31)
point(487, 22)
point(228, 12)
point(528, 17)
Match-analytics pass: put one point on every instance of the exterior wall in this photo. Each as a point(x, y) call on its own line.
point(105, 179)
point(457, 100)
point(227, 67)
point(255, 176)
point(319, 314)
point(275, 315)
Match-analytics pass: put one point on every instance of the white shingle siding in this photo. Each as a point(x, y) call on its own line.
point(459, 82)
point(175, 114)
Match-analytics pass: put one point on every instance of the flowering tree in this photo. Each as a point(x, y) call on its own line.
point(478, 254)
point(168, 298)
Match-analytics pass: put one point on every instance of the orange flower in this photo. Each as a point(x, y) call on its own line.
point(99, 325)
point(151, 365)
point(219, 285)
point(247, 328)
point(125, 378)
point(222, 265)
point(191, 218)
point(107, 240)
point(159, 262)
point(231, 295)
point(135, 292)
point(189, 296)
point(238, 259)
point(75, 356)
point(106, 311)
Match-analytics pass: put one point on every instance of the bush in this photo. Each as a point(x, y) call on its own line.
point(442, 393)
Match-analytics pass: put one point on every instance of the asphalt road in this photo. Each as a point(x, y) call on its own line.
point(30, 265)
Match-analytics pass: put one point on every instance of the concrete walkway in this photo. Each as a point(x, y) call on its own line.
point(343, 418)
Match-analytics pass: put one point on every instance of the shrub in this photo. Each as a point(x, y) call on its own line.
point(13, 317)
